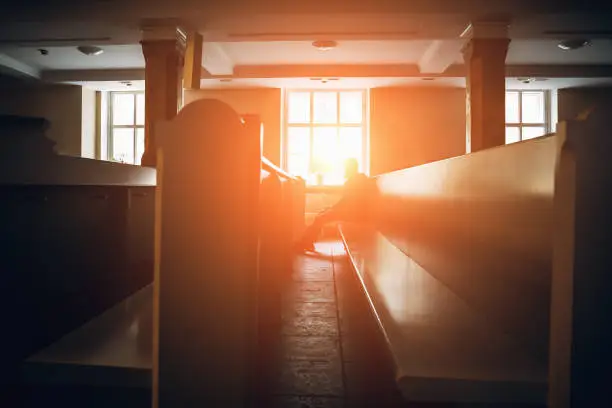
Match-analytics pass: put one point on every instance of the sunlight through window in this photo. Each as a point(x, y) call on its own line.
point(323, 129)
point(526, 116)
point(126, 133)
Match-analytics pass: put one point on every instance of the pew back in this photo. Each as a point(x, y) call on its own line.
point(482, 225)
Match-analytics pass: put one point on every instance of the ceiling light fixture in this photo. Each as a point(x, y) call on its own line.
point(569, 45)
point(324, 45)
point(90, 50)
point(526, 80)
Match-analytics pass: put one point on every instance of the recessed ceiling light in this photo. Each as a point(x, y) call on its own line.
point(90, 50)
point(324, 45)
point(43, 51)
point(526, 80)
point(568, 45)
point(225, 80)
point(428, 79)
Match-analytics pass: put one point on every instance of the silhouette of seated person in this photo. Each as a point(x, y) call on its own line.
point(354, 205)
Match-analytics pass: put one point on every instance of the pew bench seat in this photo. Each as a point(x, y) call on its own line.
point(112, 350)
point(443, 350)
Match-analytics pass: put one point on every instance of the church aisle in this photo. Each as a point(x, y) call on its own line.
point(332, 354)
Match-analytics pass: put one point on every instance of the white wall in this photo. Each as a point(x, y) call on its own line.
point(88, 123)
point(265, 102)
point(62, 106)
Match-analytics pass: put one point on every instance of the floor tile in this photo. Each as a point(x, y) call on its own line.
point(311, 292)
point(318, 274)
point(318, 309)
point(321, 378)
point(311, 348)
point(310, 326)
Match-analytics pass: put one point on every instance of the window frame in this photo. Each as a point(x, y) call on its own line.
point(520, 124)
point(111, 126)
point(311, 125)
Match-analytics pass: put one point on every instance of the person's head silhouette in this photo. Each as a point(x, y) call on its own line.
point(351, 168)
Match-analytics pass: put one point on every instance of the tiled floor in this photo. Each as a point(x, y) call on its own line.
point(332, 355)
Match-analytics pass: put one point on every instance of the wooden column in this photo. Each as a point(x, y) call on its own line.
point(192, 71)
point(485, 59)
point(163, 49)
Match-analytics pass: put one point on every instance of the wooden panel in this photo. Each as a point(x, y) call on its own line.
point(482, 225)
point(581, 322)
point(112, 350)
point(209, 167)
point(443, 349)
point(64, 253)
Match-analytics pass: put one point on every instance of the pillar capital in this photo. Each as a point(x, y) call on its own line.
point(163, 46)
point(163, 31)
point(486, 30)
point(488, 39)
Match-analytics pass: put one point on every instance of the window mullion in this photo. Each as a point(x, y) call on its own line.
point(520, 112)
point(110, 127)
point(134, 130)
point(311, 144)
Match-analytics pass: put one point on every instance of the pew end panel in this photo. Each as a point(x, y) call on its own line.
point(209, 165)
point(581, 322)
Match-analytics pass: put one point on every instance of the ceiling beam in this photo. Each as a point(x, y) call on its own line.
point(440, 55)
point(408, 71)
point(14, 67)
point(215, 60)
point(94, 75)
point(192, 69)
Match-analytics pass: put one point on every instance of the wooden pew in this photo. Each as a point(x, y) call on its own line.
point(458, 267)
point(83, 356)
point(73, 239)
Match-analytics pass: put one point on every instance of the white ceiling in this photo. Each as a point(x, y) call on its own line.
point(350, 83)
point(546, 52)
point(521, 52)
point(69, 58)
point(347, 52)
point(265, 49)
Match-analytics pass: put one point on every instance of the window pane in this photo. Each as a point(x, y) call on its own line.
point(298, 140)
point(326, 159)
point(123, 109)
point(531, 132)
point(512, 107)
point(533, 107)
point(297, 164)
point(351, 144)
point(123, 145)
point(325, 105)
point(298, 105)
point(140, 109)
point(140, 145)
point(513, 135)
point(351, 107)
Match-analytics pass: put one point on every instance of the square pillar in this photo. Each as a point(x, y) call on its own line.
point(163, 49)
point(485, 61)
